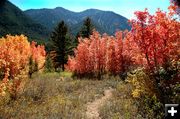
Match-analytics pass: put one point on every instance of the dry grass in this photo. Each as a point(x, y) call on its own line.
point(121, 105)
point(46, 96)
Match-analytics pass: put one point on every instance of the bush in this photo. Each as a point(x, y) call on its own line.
point(150, 107)
point(145, 94)
point(143, 84)
point(149, 96)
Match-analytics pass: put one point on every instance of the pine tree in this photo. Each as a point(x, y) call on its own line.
point(2, 2)
point(61, 45)
point(86, 29)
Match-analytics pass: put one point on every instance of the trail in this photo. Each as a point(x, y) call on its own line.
point(92, 108)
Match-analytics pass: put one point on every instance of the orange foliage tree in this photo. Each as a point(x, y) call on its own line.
point(38, 54)
point(14, 55)
point(37, 58)
point(15, 52)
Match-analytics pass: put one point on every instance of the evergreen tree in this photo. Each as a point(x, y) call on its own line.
point(61, 45)
point(49, 64)
point(33, 67)
point(2, 2)
point(86, 29)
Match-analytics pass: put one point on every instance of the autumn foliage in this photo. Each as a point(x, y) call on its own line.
point(97, 55)
point(153, 43)
point(157, 36)
point(15, 52)
point(38, 54)
point(106, 54)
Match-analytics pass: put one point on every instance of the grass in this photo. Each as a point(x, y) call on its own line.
point(66, 74)
point(121, 105)
point(57, 95)
point(45, 96)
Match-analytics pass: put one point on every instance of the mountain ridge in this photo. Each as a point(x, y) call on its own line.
point(107, 21)
point(39, 23)
point(14, 21)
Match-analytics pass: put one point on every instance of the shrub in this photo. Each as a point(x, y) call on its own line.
point(147, 93)
point(152, 107)
point(143, 84)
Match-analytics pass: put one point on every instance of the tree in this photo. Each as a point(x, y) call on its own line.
point(158, 40)
point(60, 45)
point(18, 58)
point(37, 58)
point(97, 55)
point(132, 56)
point(2, 2)
point(86, 29)
point(157, 37)
point(49, 64)
point(38, 54)
point(14, 56)
point(33, 67)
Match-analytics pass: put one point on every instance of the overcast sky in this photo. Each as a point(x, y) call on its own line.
point(123, 7)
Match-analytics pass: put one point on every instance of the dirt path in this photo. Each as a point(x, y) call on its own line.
point(92, 108)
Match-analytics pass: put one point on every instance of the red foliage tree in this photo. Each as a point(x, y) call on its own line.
point(132, 56)
point(157, 37)
point(97, 55)
point(153, 42)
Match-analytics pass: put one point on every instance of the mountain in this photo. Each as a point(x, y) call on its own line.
point(104, 21)
point(14, 21)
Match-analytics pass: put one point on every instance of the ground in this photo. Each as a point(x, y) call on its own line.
point(93, 108)
point(58, 96)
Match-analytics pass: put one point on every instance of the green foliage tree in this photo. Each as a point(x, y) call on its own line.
point(2, 2)
point(33, 67)
point(62, 45)
point(86, 29)
point(49, 64)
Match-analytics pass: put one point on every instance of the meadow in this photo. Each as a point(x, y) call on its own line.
point(51, 96)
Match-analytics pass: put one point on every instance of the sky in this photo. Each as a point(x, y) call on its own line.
point(125, 8)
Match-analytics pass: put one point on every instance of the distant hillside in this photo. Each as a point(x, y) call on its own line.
point(14, 21)
point(104, 21)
